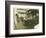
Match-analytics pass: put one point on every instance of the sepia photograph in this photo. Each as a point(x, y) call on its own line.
point(25, 18)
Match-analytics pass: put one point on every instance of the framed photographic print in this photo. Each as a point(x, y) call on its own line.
point(24, 18)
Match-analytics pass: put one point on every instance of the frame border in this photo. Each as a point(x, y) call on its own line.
point(7, 17)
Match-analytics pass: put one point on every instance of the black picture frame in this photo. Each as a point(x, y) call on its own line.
point(7, 17)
